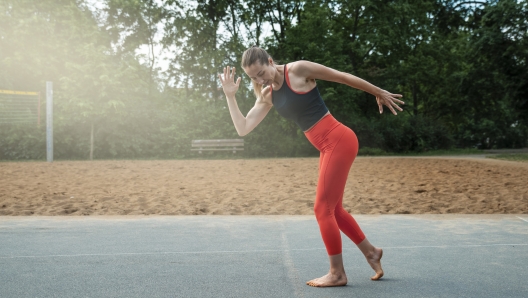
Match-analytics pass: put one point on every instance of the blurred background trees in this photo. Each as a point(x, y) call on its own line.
point(142, 75)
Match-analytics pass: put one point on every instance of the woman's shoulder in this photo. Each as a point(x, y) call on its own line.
point(303, 70)
point(298, 63)
point(299, 67)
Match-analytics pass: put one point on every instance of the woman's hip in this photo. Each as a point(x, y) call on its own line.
point(328, 133)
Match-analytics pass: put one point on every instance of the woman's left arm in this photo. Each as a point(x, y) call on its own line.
point(311, 70)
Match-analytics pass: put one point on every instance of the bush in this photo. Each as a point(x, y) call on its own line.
point(485, 134)
point(367, 151)
point(22, 142)
point(402, 134)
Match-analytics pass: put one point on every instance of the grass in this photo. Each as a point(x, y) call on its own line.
point(378, 152)
point(511, 157)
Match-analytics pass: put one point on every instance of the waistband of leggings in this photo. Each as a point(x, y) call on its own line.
point(327, 122)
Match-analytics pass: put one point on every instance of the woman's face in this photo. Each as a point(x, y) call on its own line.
point(261, 74)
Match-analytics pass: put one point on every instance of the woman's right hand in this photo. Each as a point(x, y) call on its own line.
point(228, 82)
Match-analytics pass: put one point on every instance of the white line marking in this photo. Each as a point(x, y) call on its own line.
point(290, 265)
point(456, 246)
point(252, 251)
point(522, 219)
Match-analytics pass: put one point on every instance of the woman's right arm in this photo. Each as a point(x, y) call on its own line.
point(244, 125)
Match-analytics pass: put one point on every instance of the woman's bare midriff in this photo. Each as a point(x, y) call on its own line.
point(327, 113)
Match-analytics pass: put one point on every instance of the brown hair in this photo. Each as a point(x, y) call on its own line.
point(250, 57)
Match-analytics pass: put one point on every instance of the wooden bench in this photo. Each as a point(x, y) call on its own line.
point(217, 145)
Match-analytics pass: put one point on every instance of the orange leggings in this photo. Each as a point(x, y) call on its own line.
point(338, 145)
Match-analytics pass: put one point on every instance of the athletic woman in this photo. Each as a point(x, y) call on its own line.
point(292, 90)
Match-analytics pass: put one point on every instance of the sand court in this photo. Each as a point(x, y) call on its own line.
point(381, 185)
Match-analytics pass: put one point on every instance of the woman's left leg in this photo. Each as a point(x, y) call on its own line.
point(335, 163)
point(337, 155)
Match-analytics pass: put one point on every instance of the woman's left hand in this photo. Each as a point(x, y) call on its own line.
point(390, 100)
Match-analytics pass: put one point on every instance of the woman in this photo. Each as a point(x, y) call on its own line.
point(291, 88)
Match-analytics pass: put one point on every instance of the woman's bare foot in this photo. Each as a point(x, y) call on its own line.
point(373, 256)
point(374, 261)
point(329, 280)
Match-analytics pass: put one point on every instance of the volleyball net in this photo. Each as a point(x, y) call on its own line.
point(19, 107)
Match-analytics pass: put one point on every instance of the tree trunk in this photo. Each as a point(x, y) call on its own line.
point(415, 100)
point(152, 55)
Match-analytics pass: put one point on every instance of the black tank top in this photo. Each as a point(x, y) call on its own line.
point(305, 108)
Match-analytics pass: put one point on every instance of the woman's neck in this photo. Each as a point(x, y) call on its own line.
point(278, 79)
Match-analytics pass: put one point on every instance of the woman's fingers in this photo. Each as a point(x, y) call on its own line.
point(397, 100)
point(229, 73)
point(392, 110)
point(380, 106)
point(224, 78)
point(396, 106)
point(389, 103)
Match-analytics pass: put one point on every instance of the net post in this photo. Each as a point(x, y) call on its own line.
point(49, 121)
point(38, 110)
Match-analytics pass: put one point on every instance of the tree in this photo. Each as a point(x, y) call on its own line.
point(132, 24)
point(496, 82)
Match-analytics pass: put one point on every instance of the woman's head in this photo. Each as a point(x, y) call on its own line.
point(255, 62)
point(255, 55)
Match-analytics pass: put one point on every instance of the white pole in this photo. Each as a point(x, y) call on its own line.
point(49, 121)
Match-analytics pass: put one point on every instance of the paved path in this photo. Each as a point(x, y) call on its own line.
point(259, 256)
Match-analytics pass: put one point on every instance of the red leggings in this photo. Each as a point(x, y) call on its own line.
point(338, 145)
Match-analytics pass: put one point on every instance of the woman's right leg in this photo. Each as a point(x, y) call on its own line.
point(373, 255)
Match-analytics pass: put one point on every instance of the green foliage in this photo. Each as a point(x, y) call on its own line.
point(22, 141)
point(461, 69)
point(367, 151)
point(402, 134)
point(523, 157)
point(494, 84)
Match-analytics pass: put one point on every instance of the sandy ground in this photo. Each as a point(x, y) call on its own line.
point(264, 186)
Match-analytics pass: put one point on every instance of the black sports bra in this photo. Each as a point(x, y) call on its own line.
point(305, 108)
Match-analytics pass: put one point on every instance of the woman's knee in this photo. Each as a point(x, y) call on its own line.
point(321, 210)
point(339, 210)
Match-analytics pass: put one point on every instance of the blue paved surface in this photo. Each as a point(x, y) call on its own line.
point(259, 256)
